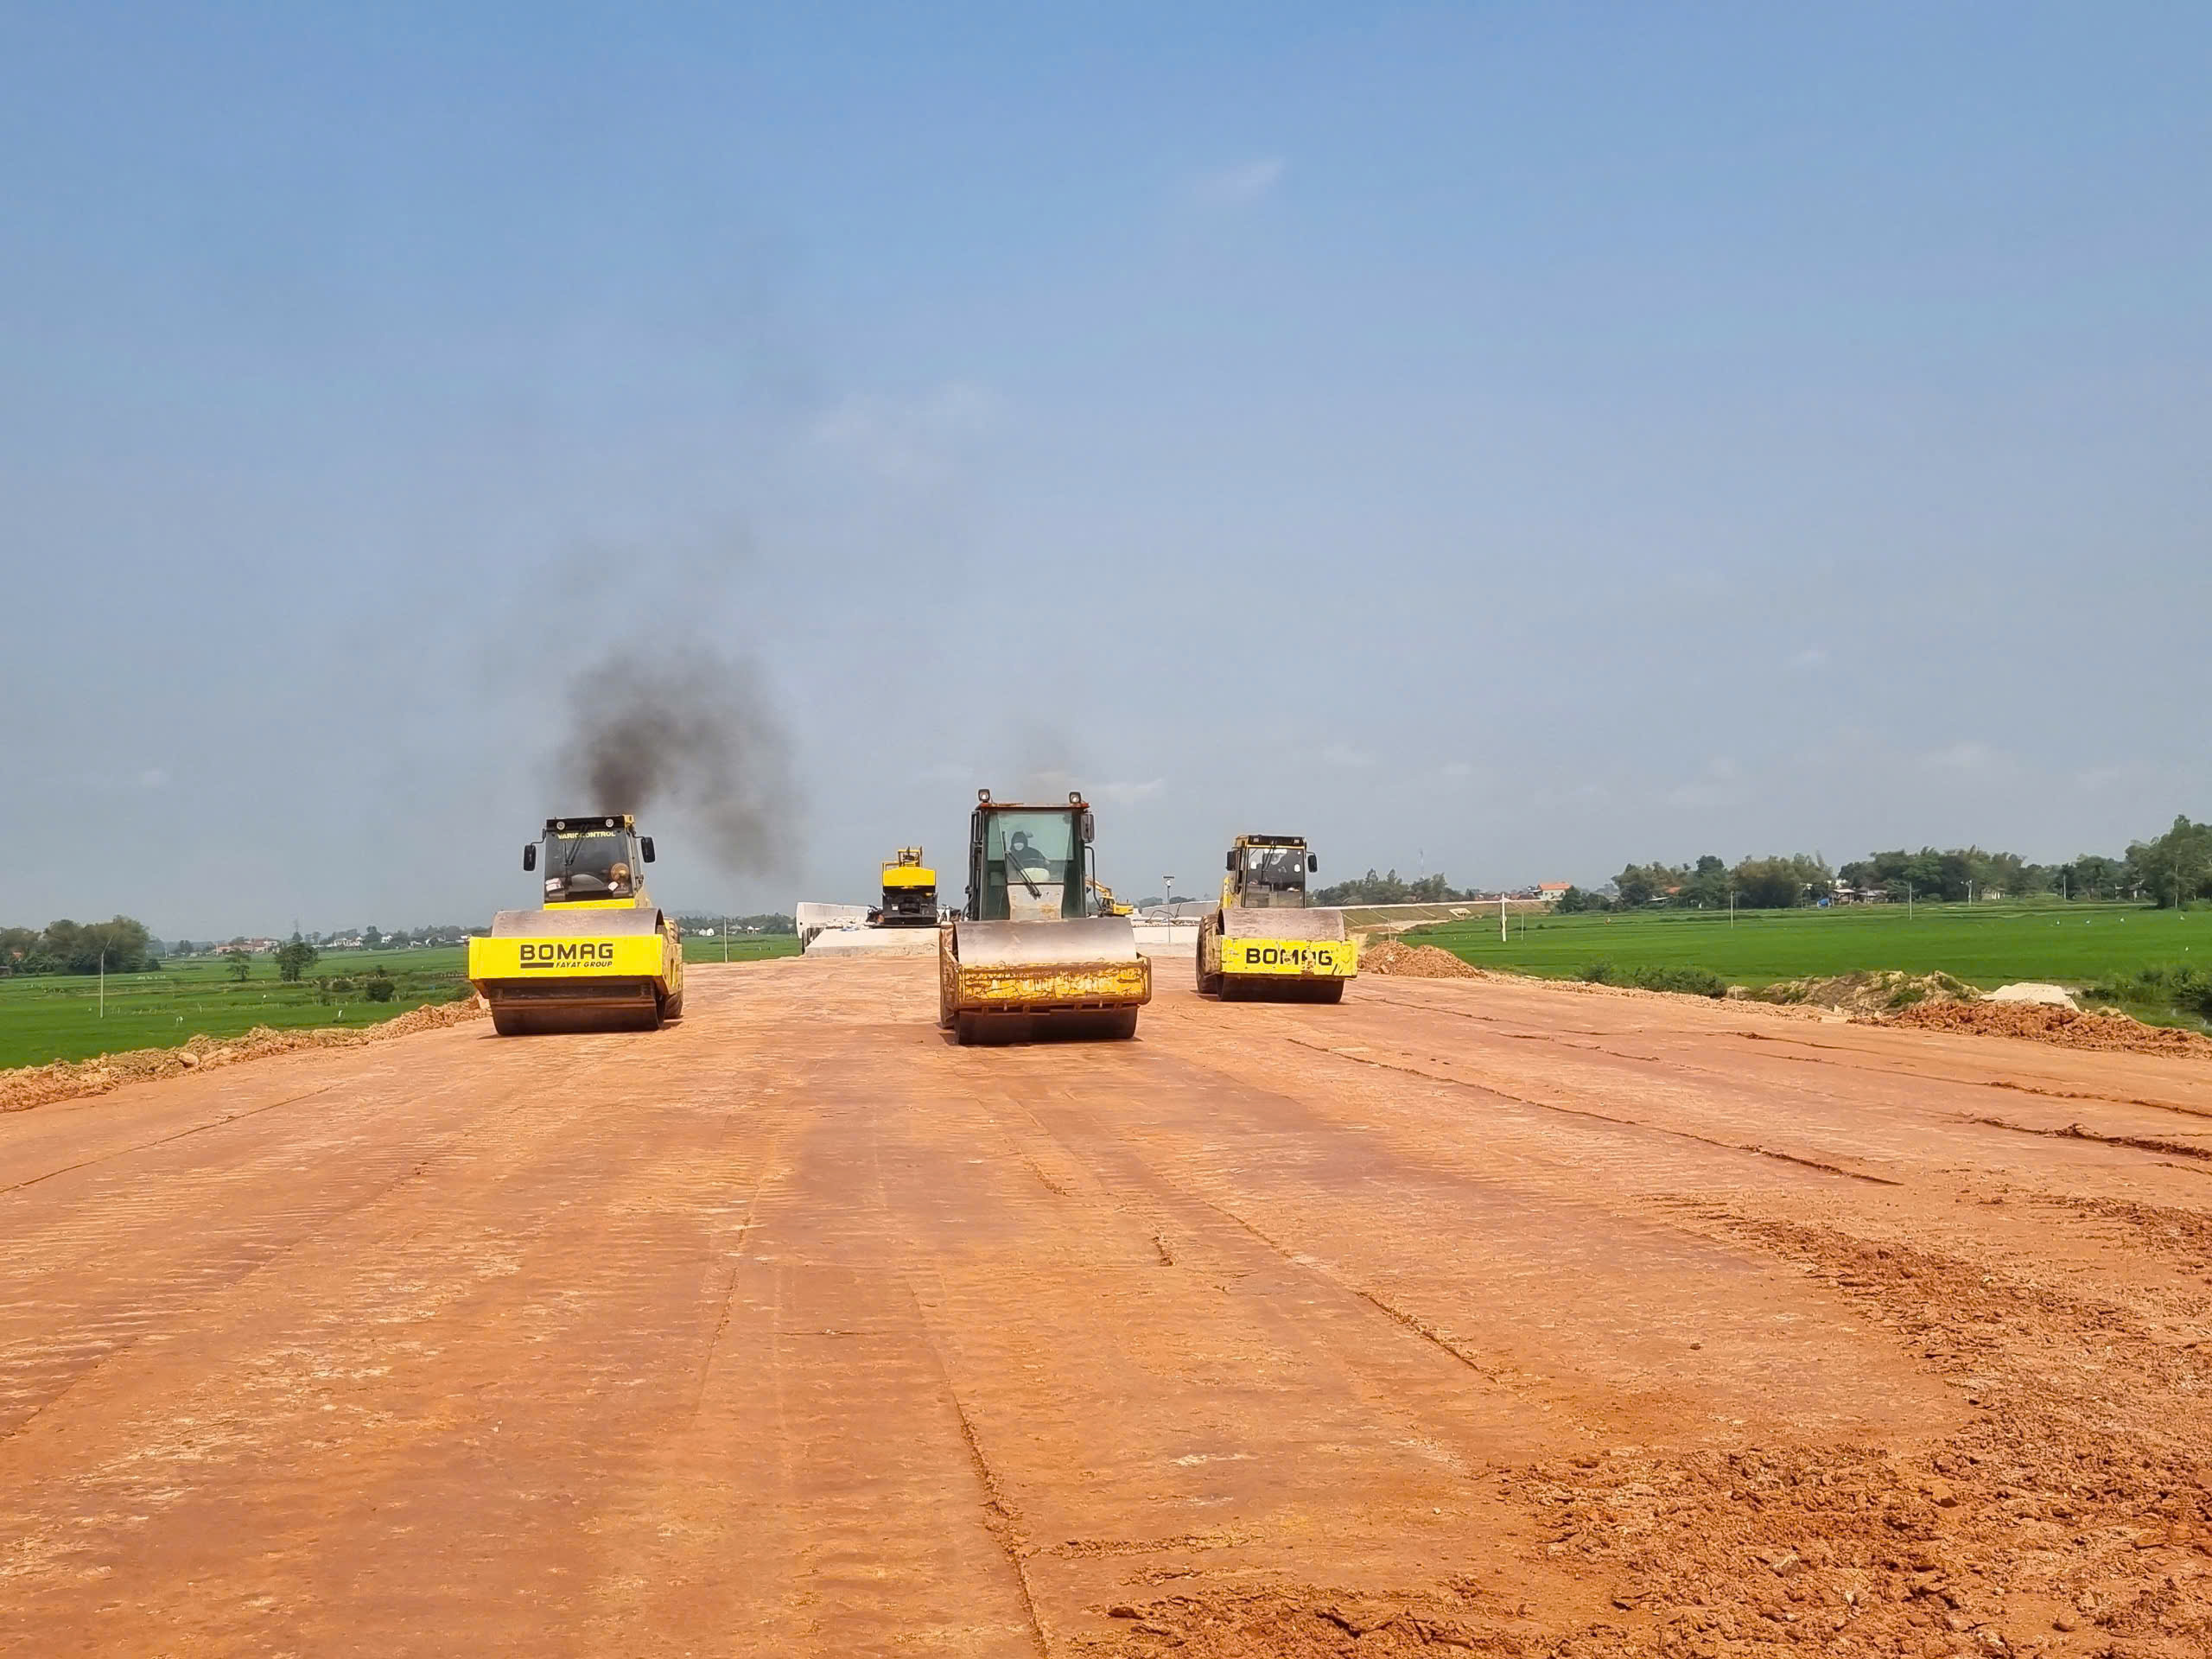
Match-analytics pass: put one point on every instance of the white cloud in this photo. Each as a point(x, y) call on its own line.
point(905, 439)
point(1720, 785)
point(1245, 182)
point(1455, 770)
point(1126, 794)
point(1813, 657)
point(1342, 754)
point(1965, 757)
point(154, 778)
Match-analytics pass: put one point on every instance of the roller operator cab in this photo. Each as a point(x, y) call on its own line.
point(1263, 942)
point(598, 955)
point(1025, 959)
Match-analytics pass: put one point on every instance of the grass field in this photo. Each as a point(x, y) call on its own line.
point(58, 1017)
point(1986, 945)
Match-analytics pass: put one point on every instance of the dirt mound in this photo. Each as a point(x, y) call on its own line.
point(1865, 994)
point(2046, 1024)
point(1413, 961)
point(37, 1085)
point(1304, 1624)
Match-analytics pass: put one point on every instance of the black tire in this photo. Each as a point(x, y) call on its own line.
point(674, 1010)
point(967, 1030)
point(1120, 1026)
point(1330, 991)
point(507, 1024)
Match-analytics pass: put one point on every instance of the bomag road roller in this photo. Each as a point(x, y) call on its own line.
point(1262, 943)
point(1023, 960)
point(909, 892)
point(599, 955)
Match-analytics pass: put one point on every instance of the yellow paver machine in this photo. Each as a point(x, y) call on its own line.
point(1262, 943)
point(599, 955)
point(909, 892)
point(1023, 960)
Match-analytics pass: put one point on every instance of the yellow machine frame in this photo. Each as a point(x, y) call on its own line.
point(1284, 951)
point(582, 963)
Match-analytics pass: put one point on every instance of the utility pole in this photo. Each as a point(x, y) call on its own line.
point(1168, 902)
point(1732, 910)
point(725, 938)
point(1501, 915)
point(103, 983)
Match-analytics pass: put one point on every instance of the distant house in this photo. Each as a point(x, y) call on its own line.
point(1551, 892)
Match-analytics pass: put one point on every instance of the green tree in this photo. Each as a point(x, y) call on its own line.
point(1781, 883)
point(371, 938)
point(2176, 868)
point(2092, 876)
point(1646, 884)
point(1707, 887)
point(67, 947)
point(17, 946)
point(293, 957)
point(239, 965)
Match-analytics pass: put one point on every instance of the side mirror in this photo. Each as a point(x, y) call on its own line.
point(1090, 828)
point(645, 846)
point(1231, 864)
point(529, 856)
point(1312, 863)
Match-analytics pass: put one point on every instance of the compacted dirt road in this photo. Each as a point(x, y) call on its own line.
point(1466, 1317)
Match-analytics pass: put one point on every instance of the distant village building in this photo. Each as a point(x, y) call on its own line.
point(1551, 892)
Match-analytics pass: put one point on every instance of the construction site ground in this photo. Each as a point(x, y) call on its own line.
point(1467, 1316)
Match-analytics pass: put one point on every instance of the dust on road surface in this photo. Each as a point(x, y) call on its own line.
point(1464, 1317)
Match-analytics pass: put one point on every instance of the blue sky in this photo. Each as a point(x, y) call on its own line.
point(1504, 440)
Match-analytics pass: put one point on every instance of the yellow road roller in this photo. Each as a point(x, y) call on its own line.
point(1262, 943)
point(599, 955)
point(1022, 961)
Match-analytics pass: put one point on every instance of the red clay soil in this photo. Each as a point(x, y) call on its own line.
point(2044, 1023)
point(1459, 1318)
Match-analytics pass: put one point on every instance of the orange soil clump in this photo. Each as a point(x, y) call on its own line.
point(1414, 961)
point(37, 1085)
point(2045, 1023)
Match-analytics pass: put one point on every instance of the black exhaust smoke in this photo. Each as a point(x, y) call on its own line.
point(677, 725)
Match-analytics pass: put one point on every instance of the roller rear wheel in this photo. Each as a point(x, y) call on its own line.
point(1209, 984)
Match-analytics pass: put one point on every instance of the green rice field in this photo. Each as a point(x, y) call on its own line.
point(1986, 945)
point(60, 1017)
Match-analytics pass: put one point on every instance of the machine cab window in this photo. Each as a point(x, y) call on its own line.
point(596, 863)
point(1282, 868)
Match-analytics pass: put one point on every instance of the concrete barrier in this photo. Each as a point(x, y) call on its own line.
point(874, 942)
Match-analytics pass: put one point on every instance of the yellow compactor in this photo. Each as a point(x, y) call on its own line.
point(1023, 960)
point(599, 955)
point(1262, 943)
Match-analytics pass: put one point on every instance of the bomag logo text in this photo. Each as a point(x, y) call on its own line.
point(1278, 956)
point(590, 953)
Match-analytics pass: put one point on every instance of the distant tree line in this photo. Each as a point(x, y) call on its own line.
point(2174, 868)
point(1389, 888)
point(66, 947)
point(767, 922)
